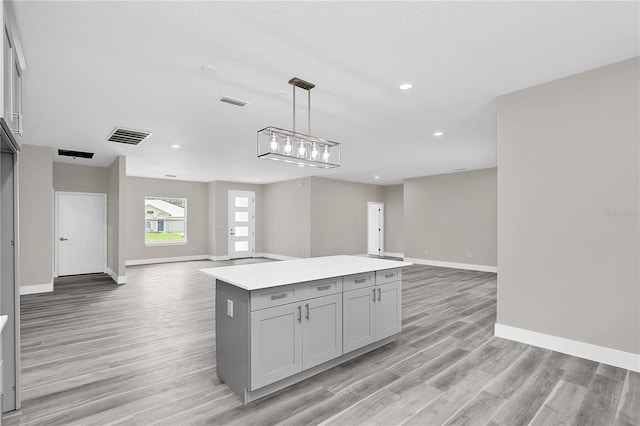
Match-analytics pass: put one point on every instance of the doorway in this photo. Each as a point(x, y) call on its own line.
point(375, 228)
point(242, 224)
point(80, 234)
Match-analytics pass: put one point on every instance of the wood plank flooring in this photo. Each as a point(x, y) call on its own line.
point(94, 353)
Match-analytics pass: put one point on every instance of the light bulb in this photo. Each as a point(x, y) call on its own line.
point(288, 147)
point(314, 152)
point(274, 142)
point(301, 149)
point(325, 154)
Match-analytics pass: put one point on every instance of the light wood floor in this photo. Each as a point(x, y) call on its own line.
point(144, 353)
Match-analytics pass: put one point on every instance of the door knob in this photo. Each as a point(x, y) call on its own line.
point(64, 239)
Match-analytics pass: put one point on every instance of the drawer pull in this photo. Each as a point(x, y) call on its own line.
point(361, 280)
point(299, 313)
point(379, 294)
point(307, 305)
point(374, 294)
point(278, 296)
point(324, 287)
point(390, 275)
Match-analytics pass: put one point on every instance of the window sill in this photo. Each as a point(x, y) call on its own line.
point(168, 243)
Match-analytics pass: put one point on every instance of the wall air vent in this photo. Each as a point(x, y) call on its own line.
point(128, 136)
point(233, 101)
point(75, 154)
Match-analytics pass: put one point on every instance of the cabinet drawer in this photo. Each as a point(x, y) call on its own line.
point(319, 288)
point(388, 276)
point(352, 282)
point(275, 296)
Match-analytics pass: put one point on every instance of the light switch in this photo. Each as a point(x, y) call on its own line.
point(230, 308)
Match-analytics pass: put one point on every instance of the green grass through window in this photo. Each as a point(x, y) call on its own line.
point(157, 237)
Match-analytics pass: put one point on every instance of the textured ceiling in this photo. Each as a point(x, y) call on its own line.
point(92, 66)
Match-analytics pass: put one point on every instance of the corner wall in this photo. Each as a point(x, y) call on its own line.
point(394, 220)
point(287, 219)
point(568, 236)
point(451, 220)
point(36, 219)
point(339, 215)
point(116, 174)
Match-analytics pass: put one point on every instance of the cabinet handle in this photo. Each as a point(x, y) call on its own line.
point(361, 280)
point(307, 305)
point(374, 294)
point(324, 287)
point(379, 294)
point(299, 313)
point(390, 275)
point(278, 296)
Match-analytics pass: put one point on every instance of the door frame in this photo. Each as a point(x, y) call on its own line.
point(252, 220)
point(380, 206)
point(56, 233)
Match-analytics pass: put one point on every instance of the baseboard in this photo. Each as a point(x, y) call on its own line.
point(440, 263)
point(36, 288)
point(626, 360)
point(390, 254)
point(136, 262)
point(218, 258)
point(275, 256)
point(119, 279)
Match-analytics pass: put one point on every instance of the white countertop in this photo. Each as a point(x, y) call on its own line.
point(256, 276)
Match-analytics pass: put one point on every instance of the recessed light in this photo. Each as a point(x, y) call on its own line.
point(405, 86)
point(462, 169)
point(438, 134)
point(208, 68)
point(175, 146)
point(376, 177)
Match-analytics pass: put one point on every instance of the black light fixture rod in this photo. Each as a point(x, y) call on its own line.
point(298, 82)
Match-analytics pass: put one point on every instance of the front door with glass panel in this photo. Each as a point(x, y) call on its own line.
point(242, 221)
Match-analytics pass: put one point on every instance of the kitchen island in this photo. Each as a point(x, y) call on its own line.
point(278, 323)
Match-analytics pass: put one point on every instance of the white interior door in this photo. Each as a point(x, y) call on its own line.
point(81, 233)
point(375, 228)
point(242, 220)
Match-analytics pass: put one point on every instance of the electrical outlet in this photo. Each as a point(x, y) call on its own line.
point(426, 251)
point(468, 254)
point(230, 308)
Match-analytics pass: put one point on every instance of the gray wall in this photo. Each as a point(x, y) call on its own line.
point(394, 219)
point(452, 217)
point(339, 215)
point(568, 205)
point(116, 210)
point(286, 215)
point(36, 215)
point(220, 216)
point(197, 217)
point(78, 178)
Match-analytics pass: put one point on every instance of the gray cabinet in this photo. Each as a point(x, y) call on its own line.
point(12, 65)
point(321, 330)
point(276, 344)
point(289, 338)
point(371, 314)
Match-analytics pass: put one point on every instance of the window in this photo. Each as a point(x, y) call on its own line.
point(165, 220)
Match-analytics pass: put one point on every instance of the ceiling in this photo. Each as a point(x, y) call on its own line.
point(92, 66)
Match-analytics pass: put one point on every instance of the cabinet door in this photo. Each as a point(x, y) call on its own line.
point(276, 344)
point(321, 330)
point(7, 73)
point(388, 309)
point(358, 318)
point(16, 84)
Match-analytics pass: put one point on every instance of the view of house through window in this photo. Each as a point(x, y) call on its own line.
point(165, 220)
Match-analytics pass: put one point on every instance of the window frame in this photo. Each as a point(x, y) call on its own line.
point(184, 240)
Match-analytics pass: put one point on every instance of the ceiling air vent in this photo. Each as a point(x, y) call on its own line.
point(233, 101)
point(128, 136)
point(75, 154)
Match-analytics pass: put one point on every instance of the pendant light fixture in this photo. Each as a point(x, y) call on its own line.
point(298, 148)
